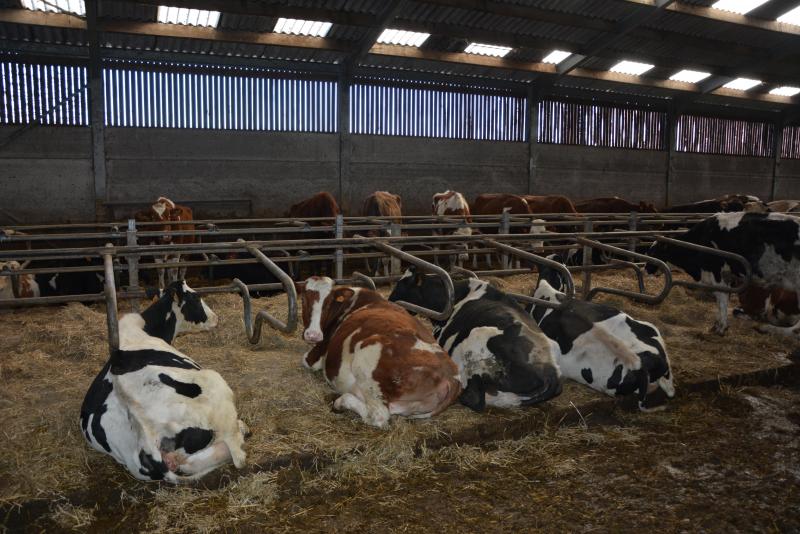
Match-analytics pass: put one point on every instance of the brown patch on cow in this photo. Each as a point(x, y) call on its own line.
point(443, 198)
point(773, 305)
point(549, 204)
point(321, 204)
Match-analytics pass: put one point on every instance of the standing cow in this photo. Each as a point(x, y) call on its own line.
point(770, 242)
point(319, 205)
point(613, 205)
point(152, 408)
point(381, 360)
point(453, 205)
point(599, 345)
point(382, 204)
point(171, 218)
point(16, 286)
point(502, 356)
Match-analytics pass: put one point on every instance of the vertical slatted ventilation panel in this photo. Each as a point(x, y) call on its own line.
point(55, 95)
point(574, 123)
point(221, 98)
point(790, 145)
point(435, 110)
point(709, 135)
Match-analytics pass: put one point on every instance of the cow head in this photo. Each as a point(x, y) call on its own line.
point(552, 276)
point(420, 289)
point(324, 305)
point(178, 310)
point(162, 211)
point(647, 207)
point(7, 282)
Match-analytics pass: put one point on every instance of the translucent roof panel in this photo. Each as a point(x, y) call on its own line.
point(402, 37)
point(188, 17)
point(312, 28)
point(689, 76)
point(785, 90)
point(791, 17)
point(76, 7)
point(631, 67)
point(742, 84)
point(738, 6)
point(556, 57)
point(487, 50)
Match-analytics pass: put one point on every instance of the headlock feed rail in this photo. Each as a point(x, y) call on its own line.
point(425, 266)
point(253, 331)
point(640, 296)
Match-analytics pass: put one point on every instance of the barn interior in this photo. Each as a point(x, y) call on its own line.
point(241, 109)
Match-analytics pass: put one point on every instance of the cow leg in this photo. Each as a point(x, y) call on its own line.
point(474, 395)
point(160, 270)
point(721, 324)
point(200, 462)
point(372, 413)
point(788, 331)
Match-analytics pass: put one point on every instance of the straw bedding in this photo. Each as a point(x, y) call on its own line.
point(52, 354)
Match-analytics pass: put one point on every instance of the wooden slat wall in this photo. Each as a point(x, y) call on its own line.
point(790, 145)
point(44, 93)
point(710, 135)
point(432, 111)
point(138, 96)
point(573, 123)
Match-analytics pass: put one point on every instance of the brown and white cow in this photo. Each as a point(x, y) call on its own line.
point(382, 204)
point(613, 205)
point(499, 203)
point(453, 205)
point(16, 286)
point(774, 306)
point(380, 359)
point(167, 213)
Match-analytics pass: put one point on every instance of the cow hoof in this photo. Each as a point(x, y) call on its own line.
point(244, 429)
point(719, 328)
point(172, 461)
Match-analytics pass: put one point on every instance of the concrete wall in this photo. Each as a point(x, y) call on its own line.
point(699, 176)
point(417, 168)
point(587, 172)
point(274, 170)
point(46, 175)
point(787, 180)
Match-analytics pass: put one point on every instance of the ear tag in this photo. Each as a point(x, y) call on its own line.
point(340, 298)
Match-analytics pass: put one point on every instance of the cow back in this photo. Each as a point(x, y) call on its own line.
point(549, 204)
point(320, 205)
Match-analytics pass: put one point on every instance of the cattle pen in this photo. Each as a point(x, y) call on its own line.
point(399, 266)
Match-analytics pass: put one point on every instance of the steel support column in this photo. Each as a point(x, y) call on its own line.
point(96, 106)
point(343, 126)
point(533, 141)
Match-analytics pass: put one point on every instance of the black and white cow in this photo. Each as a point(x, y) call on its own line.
point(770, 242)
point(601, 346)
point(152, 408)
point(502, 356)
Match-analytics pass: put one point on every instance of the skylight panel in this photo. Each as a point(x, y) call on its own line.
point(402, 37)
point(188, 16)
point(487, 50)
point(791, 17)
point(738, 6)
point(631, 67)
point(311, 28)
point(785, 90)
point(689, 76)
point(76, 7)
point(742, 84)
point(556, 56)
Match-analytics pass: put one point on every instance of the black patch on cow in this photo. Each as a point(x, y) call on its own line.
point(192, 308)
point(586, 373)
point(150, 467)
point(749, 238)
point(654, 364)
point(130, 361)
point(193, 439)
point(94, 406)
point(473, 396)
point(69, 283)
point(182, 388)
point(615, 378)
point(248, 273)
point(159, 319)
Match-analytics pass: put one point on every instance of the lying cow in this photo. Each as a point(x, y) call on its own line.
point(453, 205)
point(248, 273)
point(152, 408)
point(16, 286)
point(770, 242)
point(776, 307)
point(599, 345)
point(381, 360)
point(70, 282)
point(502, 356)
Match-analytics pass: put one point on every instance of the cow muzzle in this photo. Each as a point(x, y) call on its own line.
point(312, 336)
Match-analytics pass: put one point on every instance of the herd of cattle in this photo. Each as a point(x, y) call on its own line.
point(158, 413)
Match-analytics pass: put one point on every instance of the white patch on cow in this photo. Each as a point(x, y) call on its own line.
point(477, 289)
point(472, 356)
point(729, 221)
point(355, 377)
point(505, 399)
point(464, 230)
point(455, 202)
point(323, 287)
point(427, 347)
point(407, 274)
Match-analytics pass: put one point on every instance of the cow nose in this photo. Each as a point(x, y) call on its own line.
point(312, 336)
